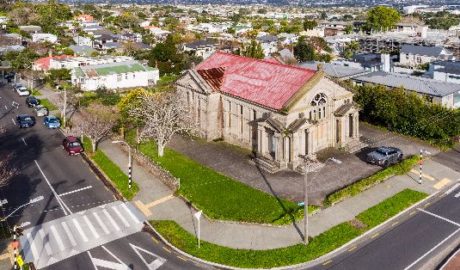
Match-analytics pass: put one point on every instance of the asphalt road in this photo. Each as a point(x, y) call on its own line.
point(45, 169)
point(409, 245)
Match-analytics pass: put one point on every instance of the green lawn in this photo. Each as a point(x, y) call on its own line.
point(390, 207)
point(45, 102)
point(221, 197)
point(359, 186)
point(35, 92)
point(113, 172)
point(318, 246)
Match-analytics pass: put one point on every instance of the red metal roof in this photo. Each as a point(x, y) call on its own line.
point(44, 62)
point(266, 83)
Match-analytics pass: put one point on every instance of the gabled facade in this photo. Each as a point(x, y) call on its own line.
point(278, 111)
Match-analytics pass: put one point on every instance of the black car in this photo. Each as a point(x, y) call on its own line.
point(385, 156)
point(25, 120)
point(32, 101)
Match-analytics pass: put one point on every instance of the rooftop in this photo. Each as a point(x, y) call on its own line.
point(267, 83)
point(110, 69)
point(335, 71)
point(420, 85)
point(452, 67)
point(434, 51)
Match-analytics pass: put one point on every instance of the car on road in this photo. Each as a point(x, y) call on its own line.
point(22, 91)
point(41, 110)
point(51, 121)
point(25, 120)
point(32, 101)
point(72, 145)
point(385, 156)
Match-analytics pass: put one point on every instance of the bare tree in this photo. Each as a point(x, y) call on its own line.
point(97, 122)
point(164, 115)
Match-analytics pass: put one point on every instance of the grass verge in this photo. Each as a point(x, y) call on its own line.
point(359, 186)
point(45, 102)
point(318, 246)
point(219, 196)
point(112, 171)
point(390, 207)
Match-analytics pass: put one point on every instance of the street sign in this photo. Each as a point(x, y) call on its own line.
point(19, 260)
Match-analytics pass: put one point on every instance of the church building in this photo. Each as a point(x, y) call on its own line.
point(281, 112)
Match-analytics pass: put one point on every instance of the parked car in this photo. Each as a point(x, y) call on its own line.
point(32, 101)
point(41, 110)
point(72, 145)
point(22, 91)
point(25, 120)
point(51, 121)
point(385, 156)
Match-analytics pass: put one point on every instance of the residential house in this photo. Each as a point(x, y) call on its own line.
point(82, 50)
point(336, 70)
point(288, 39)
point(438, 92)
point(413, 56)
point(83, 41)
point(157, 32)
point(446, 71)
point(117, 75)
point(30, 28)
point(85, 18)
point(278, 111)
point(70, 63)
point(202, 48)
point(44, 37)
point(334, 28)
point(44, 63)
point(269, 44)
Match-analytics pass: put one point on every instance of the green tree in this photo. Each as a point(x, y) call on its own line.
point(309, 24)
point(348, 29)
point(350, 49)
point(21, 60)
point(382, 18)
point(304, 51)
point(254, 50)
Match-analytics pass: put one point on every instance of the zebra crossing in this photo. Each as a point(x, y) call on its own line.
point(73, 234)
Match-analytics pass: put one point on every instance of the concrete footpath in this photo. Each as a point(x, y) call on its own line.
point(156, 201)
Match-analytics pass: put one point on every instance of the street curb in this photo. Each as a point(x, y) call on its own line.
point(313, 262)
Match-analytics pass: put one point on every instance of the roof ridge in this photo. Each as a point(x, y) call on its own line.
point(263, 61)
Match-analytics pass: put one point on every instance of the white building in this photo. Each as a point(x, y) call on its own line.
point(413, 56)
point(44, 37)
point(446, 71)
point(83, 41)
point(70, 63)
point(127, 74)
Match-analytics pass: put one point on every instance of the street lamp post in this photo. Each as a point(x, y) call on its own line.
point(130, 178)
point(307, 163)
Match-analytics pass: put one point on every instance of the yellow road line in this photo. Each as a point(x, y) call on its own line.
point(375, 235)
point(157, 202)
point(182, 258)
point(167, 250)
point(327, 262)
point(155, 240)
point(351, 249)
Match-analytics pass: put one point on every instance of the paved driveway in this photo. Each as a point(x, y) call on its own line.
point(450, 158)
point(234, 162)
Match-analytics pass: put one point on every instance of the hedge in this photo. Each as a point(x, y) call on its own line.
point(359, 186)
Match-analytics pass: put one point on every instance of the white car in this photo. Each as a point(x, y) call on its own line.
point(22, 91)
point(41, 110)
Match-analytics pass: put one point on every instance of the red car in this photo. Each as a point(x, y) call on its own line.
point(72, 145)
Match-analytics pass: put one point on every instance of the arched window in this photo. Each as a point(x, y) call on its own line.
point(319, 101)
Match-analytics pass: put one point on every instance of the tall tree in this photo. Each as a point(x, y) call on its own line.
point(304, 51)
point(382, 18)
point(309, 24)
point(164, 115)
point(97, 123)
point(254, 50)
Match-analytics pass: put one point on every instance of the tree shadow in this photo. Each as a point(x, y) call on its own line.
point(278, 199)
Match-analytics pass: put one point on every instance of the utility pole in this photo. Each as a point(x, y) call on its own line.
point(130, 162)
point(65, 108)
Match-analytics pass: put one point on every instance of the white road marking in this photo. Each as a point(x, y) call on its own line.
point(6, 107)
point(33, 248)
point(69, 234)
point(431, 250)
point(122, 218)
point(450, 190)
point(440, 217)
point(101, 224)
point(159, 261)
point(457, 195)
point(113, 255)
point(12, 120)
point(91, 259)
point(46, 242)
point(91, 227)
point(58, 237)
point(125, 207)
point(109, 217)
point(24, 141)
point(61, 203)
point(80, 231)
point(74, 191)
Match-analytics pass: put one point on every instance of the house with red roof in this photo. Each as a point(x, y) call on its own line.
point(44, 63)
point(279, 111)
